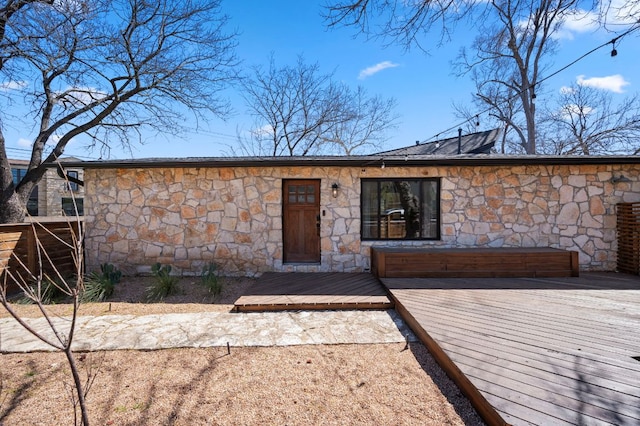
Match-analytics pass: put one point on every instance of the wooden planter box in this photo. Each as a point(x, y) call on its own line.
point(506, 262)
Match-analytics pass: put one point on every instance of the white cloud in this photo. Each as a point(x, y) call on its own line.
point(368, 72)
point(80, 96)
point(622, 12)
point(581, 21)
point(13, 85)
point(572, 110)
point(566, 90)
point(265, 130)
point(24, 142)
point(614, 83)
point(55, 138)
point(75, 6)
point(616, 12)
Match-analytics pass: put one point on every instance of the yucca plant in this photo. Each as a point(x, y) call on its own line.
point(164, 284)
point(50, 293)
point(98, 287)
point(209, 279)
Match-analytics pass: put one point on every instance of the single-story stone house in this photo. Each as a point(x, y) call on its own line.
point(255, 214)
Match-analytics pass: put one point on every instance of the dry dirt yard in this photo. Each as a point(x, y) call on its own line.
point(320, 384)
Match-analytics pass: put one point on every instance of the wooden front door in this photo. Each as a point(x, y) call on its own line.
point(301, 221)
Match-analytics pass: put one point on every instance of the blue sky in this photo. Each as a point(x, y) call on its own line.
point(422, 83)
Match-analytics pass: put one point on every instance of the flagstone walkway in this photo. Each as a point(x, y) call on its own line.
point(207, 329)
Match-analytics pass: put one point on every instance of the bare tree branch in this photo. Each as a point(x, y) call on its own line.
point(589, 122)
point(402, 22)
point(508, 56)
point(33, 289)
point(299, 111)
point(108, 69)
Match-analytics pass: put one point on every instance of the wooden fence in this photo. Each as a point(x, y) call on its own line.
point(628, 224)
point(19, 247)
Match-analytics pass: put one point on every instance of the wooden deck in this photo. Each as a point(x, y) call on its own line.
point(542, 351)
point(277, 291)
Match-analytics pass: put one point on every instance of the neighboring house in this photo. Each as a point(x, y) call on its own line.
point(53, 195)
point(255, 214)
point(475, 143)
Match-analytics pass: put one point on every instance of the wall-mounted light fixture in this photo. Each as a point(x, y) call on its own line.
point(334, 190)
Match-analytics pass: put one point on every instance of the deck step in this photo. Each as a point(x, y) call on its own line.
point(290, 291)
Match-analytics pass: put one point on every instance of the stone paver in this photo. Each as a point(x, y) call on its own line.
point(148, 332)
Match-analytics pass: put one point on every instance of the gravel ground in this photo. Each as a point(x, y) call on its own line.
point(320, 384)
point(129, 298)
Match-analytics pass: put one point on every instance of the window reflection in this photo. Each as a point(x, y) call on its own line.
point(400, 209)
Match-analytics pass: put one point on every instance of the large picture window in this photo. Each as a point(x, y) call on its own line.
point(400, 209)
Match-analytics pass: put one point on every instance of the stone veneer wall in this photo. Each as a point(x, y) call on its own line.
point(188, 217)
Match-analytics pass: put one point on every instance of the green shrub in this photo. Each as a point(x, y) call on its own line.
point(164, 284)
point(209, 279)
point(100, 286)
point(50, 293)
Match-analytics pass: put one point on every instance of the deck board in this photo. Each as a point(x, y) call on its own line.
point(314, 290)
point(534, 351)
point(519, 325)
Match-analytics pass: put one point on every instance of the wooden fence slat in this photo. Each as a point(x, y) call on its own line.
point(18, 245)
point(628, 230)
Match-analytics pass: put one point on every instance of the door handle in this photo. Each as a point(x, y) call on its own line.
point(318, 224)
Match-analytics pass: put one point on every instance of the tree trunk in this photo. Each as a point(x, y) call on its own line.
point(411, 206)
point(531, 128)
point(78, 385)
point(13, 207)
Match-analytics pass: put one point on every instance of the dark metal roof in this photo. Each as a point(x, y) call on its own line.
point(475, 143)
point(376, 160)
point(65, 160)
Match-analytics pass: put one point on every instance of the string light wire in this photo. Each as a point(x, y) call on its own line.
point(613, 42)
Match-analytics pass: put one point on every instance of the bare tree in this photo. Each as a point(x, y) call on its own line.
point(35, 286)
point(589, 122)
point(505, 110)
point(371, 119)
point(300, 111)
point(508, 56)
point(501, 107)
point(403, 22)
point(514, 39)
point(103, 71)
